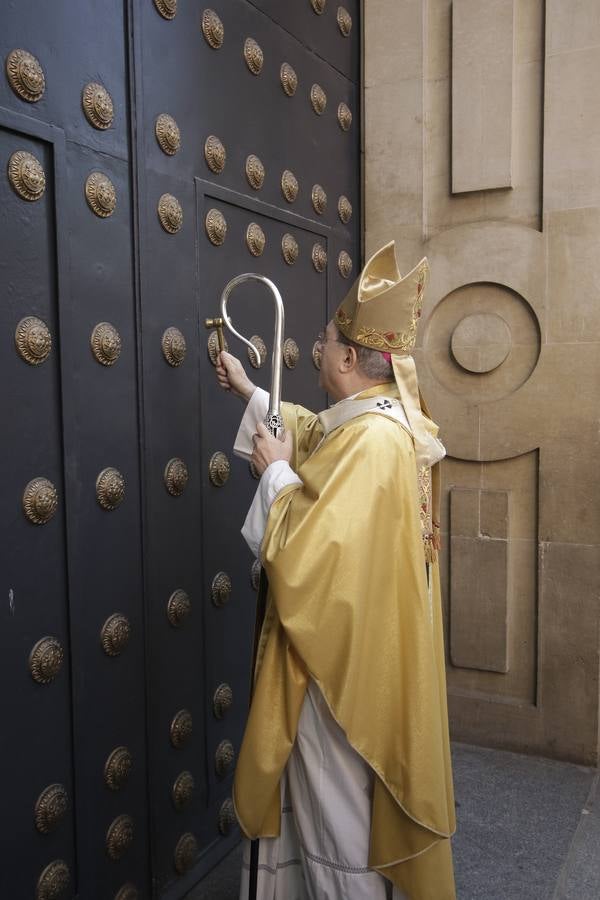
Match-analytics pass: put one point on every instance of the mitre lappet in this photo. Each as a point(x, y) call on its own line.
point(381, 311)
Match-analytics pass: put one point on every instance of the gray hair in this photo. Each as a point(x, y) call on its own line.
point(372, 363)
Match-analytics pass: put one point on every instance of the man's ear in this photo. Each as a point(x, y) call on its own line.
point(350, 358)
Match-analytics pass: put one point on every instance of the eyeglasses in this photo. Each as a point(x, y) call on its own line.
point(322, 339)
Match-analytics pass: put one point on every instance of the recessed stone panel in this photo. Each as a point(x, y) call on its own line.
point(482, 94)
point(479, 584)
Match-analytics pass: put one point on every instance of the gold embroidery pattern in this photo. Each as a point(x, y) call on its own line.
point(425, 512)
point(342, 319)
point(391, 340)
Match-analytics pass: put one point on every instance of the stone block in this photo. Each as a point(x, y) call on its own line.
point(479, 584)
point(482, 94)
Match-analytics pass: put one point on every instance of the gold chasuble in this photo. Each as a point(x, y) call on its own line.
point(349, 606)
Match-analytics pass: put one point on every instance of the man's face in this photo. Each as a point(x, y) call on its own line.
point(331, 353)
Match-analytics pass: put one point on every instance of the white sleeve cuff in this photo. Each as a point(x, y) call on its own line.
point(277, 476)
point(256, 411)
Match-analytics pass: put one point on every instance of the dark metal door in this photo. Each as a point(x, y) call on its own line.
point(127, 563)
point(73, 742)
point(264, 154)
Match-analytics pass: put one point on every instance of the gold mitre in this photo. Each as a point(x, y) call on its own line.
point(382, 309)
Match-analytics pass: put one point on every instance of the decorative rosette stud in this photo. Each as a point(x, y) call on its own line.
point(289, 79)
point(212, 29)
point(289, 186)
point(100, 194)
point(25, 75)
point(167, 134)
point(215, 154)
point(253, 55)
point(26, 175)
point(170, 213)
point(97, 106)
point(318, 99)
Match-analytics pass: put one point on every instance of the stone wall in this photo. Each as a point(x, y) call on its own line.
point(482, 151)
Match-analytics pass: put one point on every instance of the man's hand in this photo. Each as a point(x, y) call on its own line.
point(268, 449)
point(232, 376)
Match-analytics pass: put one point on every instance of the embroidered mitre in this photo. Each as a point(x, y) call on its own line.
point(382, 308)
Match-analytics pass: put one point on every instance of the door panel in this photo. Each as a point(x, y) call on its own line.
point(137, 724)
point(36, 740)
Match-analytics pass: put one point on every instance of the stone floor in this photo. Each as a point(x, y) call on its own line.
point(528, 829)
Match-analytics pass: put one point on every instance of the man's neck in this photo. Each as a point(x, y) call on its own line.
point(360, 387)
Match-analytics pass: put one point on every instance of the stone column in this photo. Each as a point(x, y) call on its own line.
point(482, 151)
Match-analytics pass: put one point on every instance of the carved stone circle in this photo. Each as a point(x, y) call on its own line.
point(170, 213)
point(40, 501)
point(97, 105)
point(105, 342)
point(110, 488)
point(100, 194)
point(26, 175)
point(167, 134)
point(481, 342)
point(25, 75)
point(33, 340)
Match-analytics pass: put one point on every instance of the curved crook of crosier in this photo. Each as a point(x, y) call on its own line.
point(273, 420)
